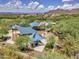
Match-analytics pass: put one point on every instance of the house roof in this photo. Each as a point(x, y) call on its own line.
point(27, 30)
point(34, 24)
point(24, 30)
point(36, 37)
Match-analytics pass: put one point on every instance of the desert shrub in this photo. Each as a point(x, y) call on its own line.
point(3, 32)
point(70, 46)
point(50, 43)
point(68, 29)
point(51, 56)
point(21, 41)
point(10, 52)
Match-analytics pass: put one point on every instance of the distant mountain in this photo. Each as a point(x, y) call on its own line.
point(62, 11)
point(51, 12)
point(32, 13)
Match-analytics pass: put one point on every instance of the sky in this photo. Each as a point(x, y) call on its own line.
point(36, 5)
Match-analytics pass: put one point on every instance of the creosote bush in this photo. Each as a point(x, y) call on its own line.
point(21, 41)
point(11, 52)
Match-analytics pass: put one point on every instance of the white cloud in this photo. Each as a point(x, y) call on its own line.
point(76, 6)
point(51, 7)
point(13, 4)
point(33, 5)
point(1, 5)
point(40, 7)
point(66, 0)
point(58, 7)
point(67, 6)
point(17, 5)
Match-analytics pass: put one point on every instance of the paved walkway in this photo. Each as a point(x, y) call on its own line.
point(10, 35)
point(41, 48)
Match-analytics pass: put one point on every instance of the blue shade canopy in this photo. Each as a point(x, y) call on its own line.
point(34, 24)
point(24, 30)
point(27, 30)
point(37, 37)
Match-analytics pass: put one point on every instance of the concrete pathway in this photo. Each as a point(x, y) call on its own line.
point(41, 48)
point(10, 35)
point(10, 41)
